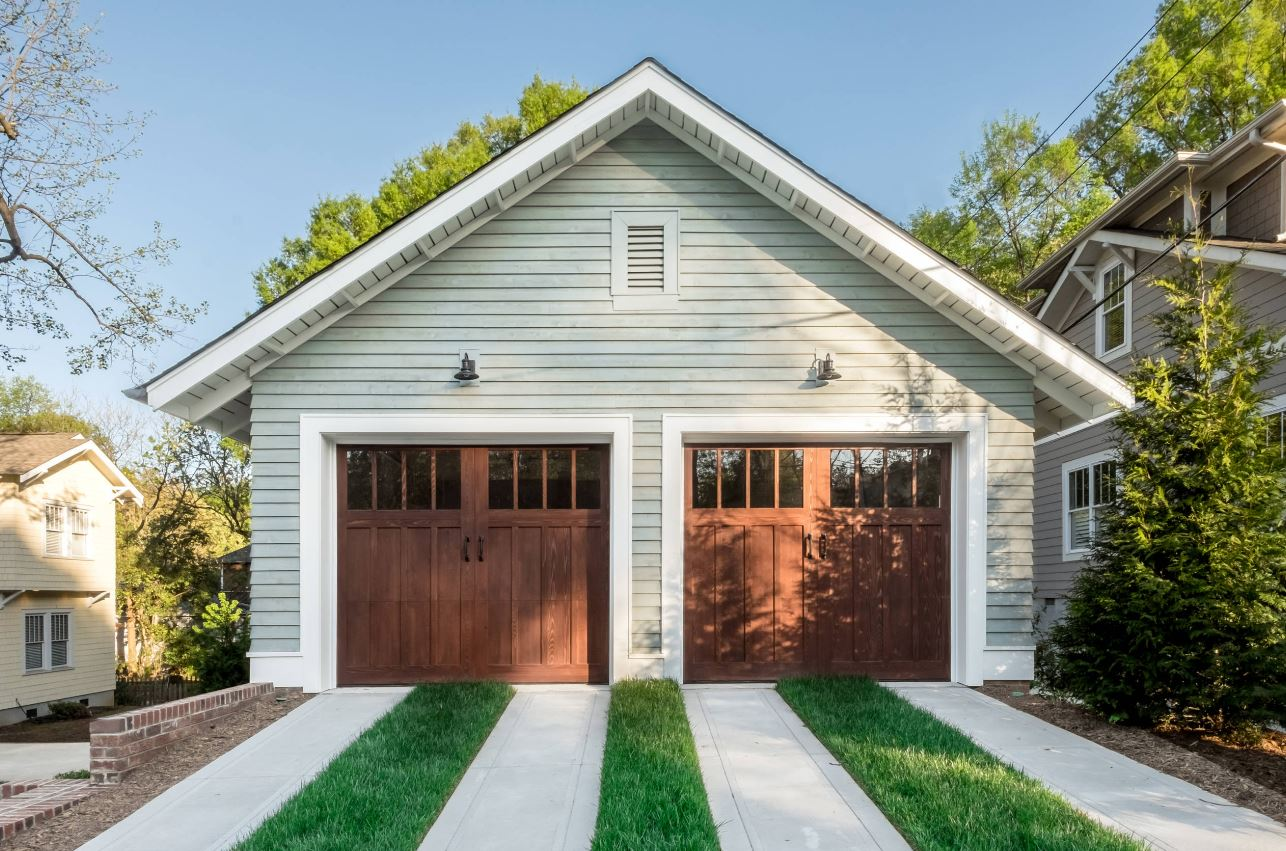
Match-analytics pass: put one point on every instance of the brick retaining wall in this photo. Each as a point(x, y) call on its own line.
point(121, 743)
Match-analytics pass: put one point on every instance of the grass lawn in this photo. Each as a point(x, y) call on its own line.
point(652, 796)
point(938, 788)
point(387, 787)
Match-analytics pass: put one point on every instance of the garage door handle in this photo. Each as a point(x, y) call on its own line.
point(808, 545)
point(481, 552)
point(821, 547)
point(466, 548)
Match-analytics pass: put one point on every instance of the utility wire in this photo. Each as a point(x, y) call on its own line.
point(1004, 181)
point(1086, 159)
point(1196, 228)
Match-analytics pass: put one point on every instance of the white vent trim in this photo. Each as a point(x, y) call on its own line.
point(645, 259)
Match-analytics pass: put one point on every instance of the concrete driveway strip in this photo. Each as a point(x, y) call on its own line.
point(41, 760)
point(227, 799)
point(534, 785)
point(1162, 810)
point(771, 783)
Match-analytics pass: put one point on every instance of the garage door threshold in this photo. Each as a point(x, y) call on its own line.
point(770, 782)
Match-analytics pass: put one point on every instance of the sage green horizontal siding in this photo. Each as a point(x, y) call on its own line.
point(759, 293)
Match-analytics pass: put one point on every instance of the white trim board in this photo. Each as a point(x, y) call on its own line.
point(971, 660)
point(315, 666)
point(1068, 375)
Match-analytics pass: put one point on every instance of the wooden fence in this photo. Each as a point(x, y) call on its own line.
point(133, 691)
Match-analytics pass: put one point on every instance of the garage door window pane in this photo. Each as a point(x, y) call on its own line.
point(388, 484)
point(446, 479)
point(872, 478)
point(899, 487)
point(359, 479)
point(500, 479)
point(419, 480)
point(530, 478)
point(928, 478)
point(558, 478)
point(790, 478)
point(704, 473)
point(762, 483)
point(843, 492)
point(732, 478)
point(589, 479)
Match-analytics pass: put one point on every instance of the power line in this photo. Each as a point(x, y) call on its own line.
point(1196, 228)
point(1084, 160)
point(1004, 182)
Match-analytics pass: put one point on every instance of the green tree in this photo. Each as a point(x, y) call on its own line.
point(1013, 204)
point(1144, 117)
point(338, 225)
point(27, 406)
point(1180, 613)
point(221, 644)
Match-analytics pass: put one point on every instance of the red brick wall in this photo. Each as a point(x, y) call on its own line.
point(121, 743)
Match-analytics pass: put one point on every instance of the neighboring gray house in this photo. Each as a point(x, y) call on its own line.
point(1073, 465)
point(643, 396)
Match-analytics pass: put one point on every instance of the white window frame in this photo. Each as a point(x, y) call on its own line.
point(1109, 264)
point(65, 535)
point(47, 641)
point(1087, 462)
point(1276, 406)
point(625, 297)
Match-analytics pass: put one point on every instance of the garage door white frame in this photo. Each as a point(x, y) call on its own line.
point(970, 660)
point(314, 666)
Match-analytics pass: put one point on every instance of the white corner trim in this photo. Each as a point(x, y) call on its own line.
point(968, 436)
point(1075, 464)
point(320, 433)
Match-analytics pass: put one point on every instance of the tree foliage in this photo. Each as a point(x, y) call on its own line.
point(1180, 612)
point(27, 406)
point(58, 149)
point(338, 225)
point(222, 641)
point(1239, 75)
point(999, 226)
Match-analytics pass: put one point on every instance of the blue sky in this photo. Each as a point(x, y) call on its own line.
point(258, 109)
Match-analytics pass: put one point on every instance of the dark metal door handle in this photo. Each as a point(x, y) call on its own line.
point(481, 552)
point(808, 545)
point(466, 548)
point(821, 547)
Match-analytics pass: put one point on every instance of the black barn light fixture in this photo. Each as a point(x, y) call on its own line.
point(823, 370)
point(468, 370)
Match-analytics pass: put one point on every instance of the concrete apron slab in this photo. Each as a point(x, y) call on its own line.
point(41, 760)
point(1162, 810)
point(227, 799)
point(534, 785)
point(771, 783)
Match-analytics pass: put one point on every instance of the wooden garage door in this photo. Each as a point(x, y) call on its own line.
point(817, 560)
point(472, 562)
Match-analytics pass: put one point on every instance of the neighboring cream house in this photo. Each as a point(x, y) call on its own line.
point(58, 495)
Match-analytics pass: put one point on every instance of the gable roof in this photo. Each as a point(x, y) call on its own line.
point(31, 456)
point(211, 386)
point(1115, 225)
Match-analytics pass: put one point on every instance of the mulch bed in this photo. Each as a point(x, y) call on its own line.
point(1253, 777)
point(113, 803)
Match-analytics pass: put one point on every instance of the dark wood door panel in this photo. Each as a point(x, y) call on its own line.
point(463, 591)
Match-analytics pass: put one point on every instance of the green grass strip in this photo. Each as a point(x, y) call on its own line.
point(652, 797)
point(388, 786)
point(938, 788)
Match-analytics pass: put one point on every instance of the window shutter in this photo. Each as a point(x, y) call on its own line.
point(60, 637)
point(34, 629)
point(53, 530)
point(645, 257)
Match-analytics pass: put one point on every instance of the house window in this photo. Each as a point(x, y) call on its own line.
point(1275, 432)
point(1114, 311)
point(645, 259)
point(1088, 487)
point(46, 640)
point(67, 530)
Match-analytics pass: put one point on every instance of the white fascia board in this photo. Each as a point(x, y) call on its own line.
point(1058, 285)
point(399, 236)
point(124, 486)
point(973, 294)
point(1266, 261)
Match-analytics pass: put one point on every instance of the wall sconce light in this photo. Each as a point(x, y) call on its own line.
point(823, 370)
point(468, 370)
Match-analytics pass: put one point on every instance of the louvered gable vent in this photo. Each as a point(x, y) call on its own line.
point(645, 257)
point(645, 262)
